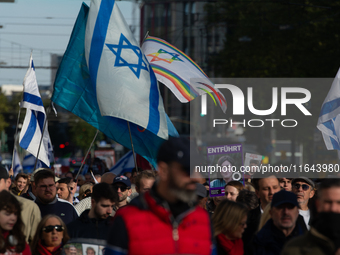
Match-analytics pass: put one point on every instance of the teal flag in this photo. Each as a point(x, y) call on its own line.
point(74, 92)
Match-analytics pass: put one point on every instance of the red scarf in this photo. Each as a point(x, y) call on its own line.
point(42, 250)
point(234, 247)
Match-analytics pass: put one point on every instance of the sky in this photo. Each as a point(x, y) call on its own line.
point(43, 26)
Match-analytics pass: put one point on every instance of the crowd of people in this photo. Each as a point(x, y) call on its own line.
point(167, 212)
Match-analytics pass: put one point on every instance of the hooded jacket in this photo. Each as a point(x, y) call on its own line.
point(85, 227)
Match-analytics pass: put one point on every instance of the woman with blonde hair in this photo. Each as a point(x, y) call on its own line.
point(50, 237)
point(229, 221)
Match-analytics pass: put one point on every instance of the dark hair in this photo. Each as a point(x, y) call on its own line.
point(148, 174)
point(25, 176)
point(43, 174)
point(327, 184)
point(104, 190)
point(236, 184)
point(259, 176)
point(10, 204)
point(248, 198)
point(226, 158)
point(38, 233)
point(66, 180)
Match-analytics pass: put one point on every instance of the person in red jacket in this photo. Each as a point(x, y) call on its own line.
point(164, 220)
point(12, 239)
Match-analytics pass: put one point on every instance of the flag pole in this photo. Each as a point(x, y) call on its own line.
point(133, 150)
point(42, 136)
point(15, 135)
point(128, 123)
point(88, 151)
point(22, 97)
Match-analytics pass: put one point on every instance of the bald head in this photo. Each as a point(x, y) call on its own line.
point(108, 177)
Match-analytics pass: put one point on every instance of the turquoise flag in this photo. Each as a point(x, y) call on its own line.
point(74, 92)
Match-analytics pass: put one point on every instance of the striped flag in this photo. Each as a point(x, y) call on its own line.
point(124, 83)
point(329, 118)
point(179, 72)
point(32, 128)
point(17, 167)
point(74, 91)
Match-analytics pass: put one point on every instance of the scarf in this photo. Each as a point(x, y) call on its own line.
point(327, 224)
point(42, 250)
point(234, 247)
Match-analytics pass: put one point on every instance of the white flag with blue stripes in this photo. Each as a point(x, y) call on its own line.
point(329, 118)
point(16, 165)
point(125, 84)
point(33, 125)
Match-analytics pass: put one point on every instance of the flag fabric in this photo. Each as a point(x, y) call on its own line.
point(29, 161)
point(33, 125)
point(329, 118)
point(123, 81)
point(179, 72)
point(17, 167)
point(74, 91)
point(125, 164)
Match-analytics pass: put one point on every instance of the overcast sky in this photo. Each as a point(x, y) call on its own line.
point(44, 26)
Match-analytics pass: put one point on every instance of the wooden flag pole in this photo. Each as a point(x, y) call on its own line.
point(88, 151)
point(133, 150)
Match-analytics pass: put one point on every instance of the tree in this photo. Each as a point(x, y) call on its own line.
point(278, 39)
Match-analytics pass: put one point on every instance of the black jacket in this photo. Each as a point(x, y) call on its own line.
point(253, 222)
point(84, 227)
point(270, 240)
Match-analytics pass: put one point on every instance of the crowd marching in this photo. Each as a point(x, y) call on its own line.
point(167, 212)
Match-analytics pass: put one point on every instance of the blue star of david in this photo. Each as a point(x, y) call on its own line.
point(120, 62)
point(174, 55)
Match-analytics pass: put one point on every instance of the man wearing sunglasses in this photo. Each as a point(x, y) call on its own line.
point(165, 219)
point(304, 188)
point(323, 236)
point(122, 185)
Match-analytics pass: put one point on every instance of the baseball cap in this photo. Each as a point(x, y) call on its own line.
point(176, 149)
point(304, 179)
point(201, 191)
point(3, 173)
point(122, 179)
point(284, 197)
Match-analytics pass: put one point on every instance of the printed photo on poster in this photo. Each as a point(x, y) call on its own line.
point(225, 162)
point(252, 164)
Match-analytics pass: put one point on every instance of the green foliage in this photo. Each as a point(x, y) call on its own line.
point(82, 134)
point(278, 39)
point(3, 110)
point(288, 39)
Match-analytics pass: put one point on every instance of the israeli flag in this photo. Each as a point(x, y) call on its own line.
point(125, 85)
point(33, 125)
point(125, 164)
point(16, 165)
point(28, 163)
point(329, 118)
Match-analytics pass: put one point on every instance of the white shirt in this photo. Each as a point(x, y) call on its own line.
point(306, 216)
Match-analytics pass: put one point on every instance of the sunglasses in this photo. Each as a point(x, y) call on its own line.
point(304, 186)
point(122, 188)
point(50, 228)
